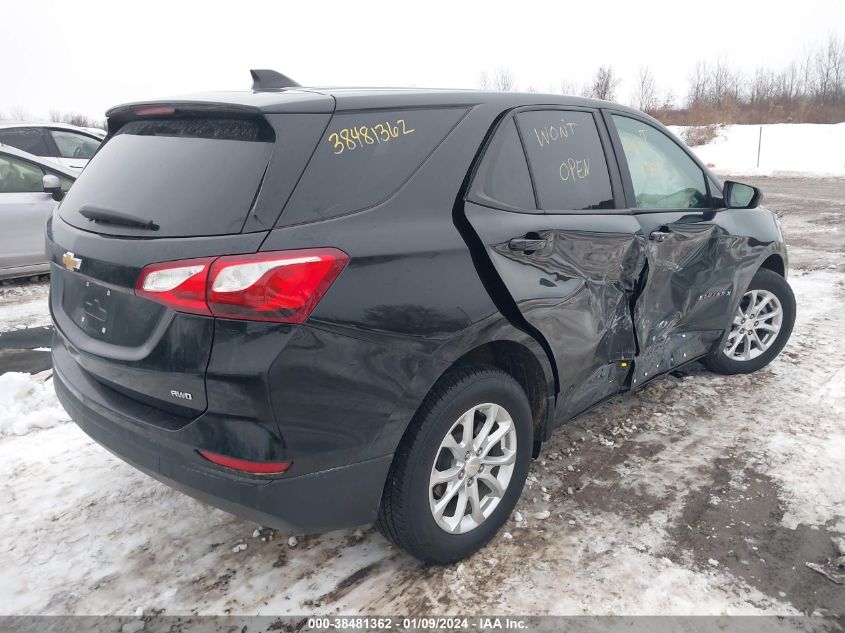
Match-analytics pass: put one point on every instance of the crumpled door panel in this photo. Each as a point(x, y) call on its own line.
point(575, 290)
point(692, 280)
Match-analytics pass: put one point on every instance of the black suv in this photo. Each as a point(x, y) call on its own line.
point(320, 308)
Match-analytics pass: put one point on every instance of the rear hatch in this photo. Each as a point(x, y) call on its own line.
point(176, 185)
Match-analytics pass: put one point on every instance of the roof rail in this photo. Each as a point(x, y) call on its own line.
point(265, 79)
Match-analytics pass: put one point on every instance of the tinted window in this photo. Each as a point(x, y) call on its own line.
point(364, 157)
point(663, 175)
point(566, 159)
point(17, 176)
point(28, 139)
point(192, 176)
point(72, 145)
point(503, 174)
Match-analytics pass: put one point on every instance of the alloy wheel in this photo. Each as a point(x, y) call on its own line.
point(472, 468)
point(755, 326)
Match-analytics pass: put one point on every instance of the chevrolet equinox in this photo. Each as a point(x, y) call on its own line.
point(320, 308)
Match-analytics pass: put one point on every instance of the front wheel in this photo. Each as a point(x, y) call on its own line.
point(460, 468)
point(760, 328)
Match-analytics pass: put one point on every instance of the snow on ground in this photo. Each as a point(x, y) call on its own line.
point(700, 494)
point(28, 402)
point(23, 305)
point(785, 149)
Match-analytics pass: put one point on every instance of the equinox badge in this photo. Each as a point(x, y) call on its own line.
point(71, 262)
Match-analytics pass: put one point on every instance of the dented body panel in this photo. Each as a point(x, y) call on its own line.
point(621, 296)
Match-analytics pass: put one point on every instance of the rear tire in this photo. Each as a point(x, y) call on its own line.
point(753, 343)
point(425, 517)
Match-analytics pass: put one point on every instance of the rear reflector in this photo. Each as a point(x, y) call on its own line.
point(281, 286)
point(256, 468)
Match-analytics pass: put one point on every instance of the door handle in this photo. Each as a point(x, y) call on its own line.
point(527, 244)
point(659, 236)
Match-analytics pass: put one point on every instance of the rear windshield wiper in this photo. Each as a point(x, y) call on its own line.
point(107, 216)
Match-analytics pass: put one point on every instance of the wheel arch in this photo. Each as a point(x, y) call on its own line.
point(775, 263)
point(529, 367)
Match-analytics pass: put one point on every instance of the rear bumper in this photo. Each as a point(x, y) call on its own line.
point(330, 499)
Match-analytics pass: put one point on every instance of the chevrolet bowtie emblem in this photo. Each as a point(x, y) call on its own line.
point(71, 262)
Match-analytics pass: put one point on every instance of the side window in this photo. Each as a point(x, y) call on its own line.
point(27, 139)
point(72, 145)
point(663, 175)
point(17, 176)
point(566, 159)
point(502, 176)
point(365, 157)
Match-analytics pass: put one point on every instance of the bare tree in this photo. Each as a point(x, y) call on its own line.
point(787, 86)
point(668, 101)
point(645, 92)
point(699, 84)
point(565, 87)
point(829, 67)
point(725, 84)
point(500, 80)
point(55, 116)
point(80, 120)
point(19, 113)
point(807, 74)
point(763, 87)
point(604, 84)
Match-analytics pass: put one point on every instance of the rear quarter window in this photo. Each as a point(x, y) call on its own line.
point(502, 178)
point(365, 157)
point(566, 159)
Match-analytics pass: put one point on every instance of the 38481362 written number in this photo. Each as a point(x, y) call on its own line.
point(352, 138)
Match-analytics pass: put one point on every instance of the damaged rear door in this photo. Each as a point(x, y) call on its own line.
point(692, 263)
point(566, 258)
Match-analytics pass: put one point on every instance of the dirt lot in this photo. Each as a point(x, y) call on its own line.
point(702, 494)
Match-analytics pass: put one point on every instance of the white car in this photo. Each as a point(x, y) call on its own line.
point(68, 145)
point(30, 188)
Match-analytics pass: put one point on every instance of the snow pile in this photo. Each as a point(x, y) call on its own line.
point(24, 305)
point(801, 149)
point(28, 403)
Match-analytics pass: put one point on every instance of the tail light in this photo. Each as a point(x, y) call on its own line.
point(282, 286)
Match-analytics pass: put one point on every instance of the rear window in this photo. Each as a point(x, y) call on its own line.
point(566, 160)
point(27, 139)
point(365, 157)
point(192, 176)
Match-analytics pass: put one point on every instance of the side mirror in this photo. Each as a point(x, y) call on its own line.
point(53, 186)
point(740, 196)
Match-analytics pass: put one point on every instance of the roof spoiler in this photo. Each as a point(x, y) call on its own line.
point(265, 79)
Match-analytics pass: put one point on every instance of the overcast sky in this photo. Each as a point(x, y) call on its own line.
point(87, 56)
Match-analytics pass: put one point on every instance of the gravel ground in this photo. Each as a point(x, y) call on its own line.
point(701, 494)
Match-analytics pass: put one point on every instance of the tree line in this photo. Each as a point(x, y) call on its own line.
point(56, 116)
point(811, 89)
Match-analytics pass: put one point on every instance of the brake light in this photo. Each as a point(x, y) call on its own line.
point(154, 110)
point(282, 286)
point(255, 468)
